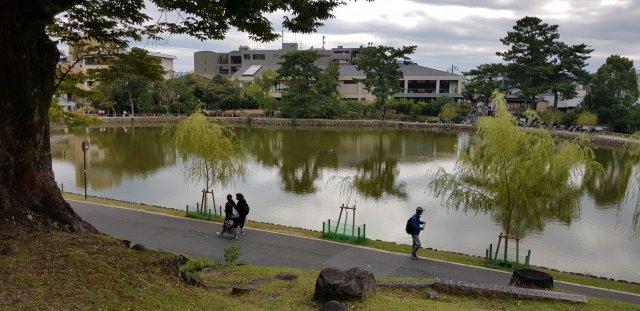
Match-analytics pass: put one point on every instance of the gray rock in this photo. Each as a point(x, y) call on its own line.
point(193, 280)
point(334, 305)
point(242, 289)
point(286, 277)
point(138, 247)
point(334, 284)
point(208, 270)
point(250, 287)
point(8, 250)
point(458, 287)
point(431, 295)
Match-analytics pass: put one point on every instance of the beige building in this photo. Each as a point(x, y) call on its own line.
point(209, 64)
point(419, 82)
point(87, 64)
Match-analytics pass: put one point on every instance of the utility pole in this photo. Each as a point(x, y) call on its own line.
point(453, 67)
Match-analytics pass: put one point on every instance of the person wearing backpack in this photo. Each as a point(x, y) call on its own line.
point(413, 227)
point(243, 210)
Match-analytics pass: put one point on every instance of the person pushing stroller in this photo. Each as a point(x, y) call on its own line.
point(231, 218)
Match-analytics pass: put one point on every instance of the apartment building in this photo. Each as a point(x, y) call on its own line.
point(209, 64)
point(88, 63)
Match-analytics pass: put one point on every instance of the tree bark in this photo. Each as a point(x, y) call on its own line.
point(29, 195)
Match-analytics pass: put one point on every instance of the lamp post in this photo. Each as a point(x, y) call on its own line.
point(85, 147)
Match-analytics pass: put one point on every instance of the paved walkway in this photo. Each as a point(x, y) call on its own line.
point(197, 238)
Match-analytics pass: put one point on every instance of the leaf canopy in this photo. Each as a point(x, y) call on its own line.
point(522, 178)
point(209, 151)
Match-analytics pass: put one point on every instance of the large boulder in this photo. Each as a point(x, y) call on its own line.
point(334, 306)
point(334, 284)
point(529, 278)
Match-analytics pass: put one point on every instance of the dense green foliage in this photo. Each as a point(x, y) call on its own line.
point(307, 90)
point(614, 90)
point(125, 84)
point(587, 119)
point(521, 177)
point(538, 62)
point(259, 91)
point(70, 118)
point(381, 66)
point(454, 112)
point(483, 80)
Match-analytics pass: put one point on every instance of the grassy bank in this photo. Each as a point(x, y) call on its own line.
point(61, 271)
point(381, 245)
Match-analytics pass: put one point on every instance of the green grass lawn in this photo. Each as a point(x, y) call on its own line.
point(381, 245)
point(64, 271)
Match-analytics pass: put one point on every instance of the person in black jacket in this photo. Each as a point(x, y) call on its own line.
point(417, 225)
point(243, 210)
point(230, 218)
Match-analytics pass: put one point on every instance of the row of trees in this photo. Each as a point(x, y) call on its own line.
point(536, 61)
point(134, 82)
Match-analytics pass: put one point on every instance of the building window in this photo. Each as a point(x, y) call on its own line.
point(247, 56)
point(448, 86)
point(349, 82)
point(258, 56)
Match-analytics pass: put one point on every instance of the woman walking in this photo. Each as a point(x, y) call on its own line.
point(230, 218)
point(243, 210)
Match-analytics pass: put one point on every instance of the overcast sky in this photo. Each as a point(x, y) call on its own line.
point(462, 33)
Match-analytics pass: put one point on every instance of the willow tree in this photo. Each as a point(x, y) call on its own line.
point(30, 32)
point(521, 177)
point(209, 152)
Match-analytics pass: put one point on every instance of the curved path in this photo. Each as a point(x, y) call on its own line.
point(198, 238)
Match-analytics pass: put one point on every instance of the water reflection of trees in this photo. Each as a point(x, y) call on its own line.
point(609, 188)
point(116, 152)
point(299, 154)
point(376, 174)
point(302, 154)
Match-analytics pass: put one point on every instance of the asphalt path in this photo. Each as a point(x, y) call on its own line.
point(198, 238)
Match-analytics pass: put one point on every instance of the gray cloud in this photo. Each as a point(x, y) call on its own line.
point(466, 43)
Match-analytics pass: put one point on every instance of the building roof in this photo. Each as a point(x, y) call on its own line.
point(410, 70)
point(160, 55)
point(258, 73)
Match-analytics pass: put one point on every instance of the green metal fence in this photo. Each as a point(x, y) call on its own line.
point(515, 260)
point(197, 212)
point(353, 233)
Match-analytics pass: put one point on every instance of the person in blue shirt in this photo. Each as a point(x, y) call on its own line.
point(417, 225)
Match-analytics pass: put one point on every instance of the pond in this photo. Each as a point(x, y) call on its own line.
point(295, 180)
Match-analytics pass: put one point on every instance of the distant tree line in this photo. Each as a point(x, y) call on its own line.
point(536, 62)
point(134, 83)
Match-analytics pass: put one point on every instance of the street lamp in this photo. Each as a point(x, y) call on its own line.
point(85, 147)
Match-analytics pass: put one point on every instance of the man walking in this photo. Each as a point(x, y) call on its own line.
point(414, 228)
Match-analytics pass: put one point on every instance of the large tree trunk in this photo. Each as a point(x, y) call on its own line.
point(29, 195)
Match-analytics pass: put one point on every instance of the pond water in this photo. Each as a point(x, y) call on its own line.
point(294, 180)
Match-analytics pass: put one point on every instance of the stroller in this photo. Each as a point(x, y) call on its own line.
point(229, 226)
